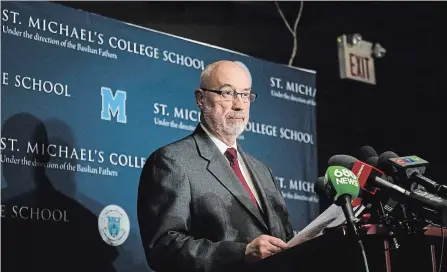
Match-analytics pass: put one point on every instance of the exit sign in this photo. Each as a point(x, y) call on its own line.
point(355, 60)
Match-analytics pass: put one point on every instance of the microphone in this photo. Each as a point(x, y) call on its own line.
point(374, 181)
point(366, 152)
point(367, 195)
point(430, 215)
point(411, 168)
point(362, 170)
point(367, 172)
point(321, 192)
point(393, 175)
point(384, 163)
point(372, 161)
point(341, 185)
point(370, 156)
point(319, 187)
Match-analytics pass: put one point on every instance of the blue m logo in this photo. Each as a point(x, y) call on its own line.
point(113, 105)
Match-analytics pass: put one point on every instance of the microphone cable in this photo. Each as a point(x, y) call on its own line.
point(352, 229)
point(365, 260)
point(442, 247)
point(444, 219)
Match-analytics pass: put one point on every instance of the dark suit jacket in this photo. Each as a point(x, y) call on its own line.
point(193, 212)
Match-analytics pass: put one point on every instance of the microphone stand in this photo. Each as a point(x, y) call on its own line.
point(390, 223)
point(345, 202)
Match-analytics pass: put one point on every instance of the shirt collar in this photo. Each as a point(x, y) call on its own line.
point(220, 145)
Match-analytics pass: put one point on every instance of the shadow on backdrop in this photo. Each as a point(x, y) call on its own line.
point(43, 227)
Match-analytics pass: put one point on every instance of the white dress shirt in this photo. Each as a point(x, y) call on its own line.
point(222, 148)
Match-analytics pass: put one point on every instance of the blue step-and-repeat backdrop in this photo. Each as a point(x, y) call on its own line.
point(85, 100)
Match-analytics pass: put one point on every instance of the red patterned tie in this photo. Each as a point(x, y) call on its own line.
point(231, 154)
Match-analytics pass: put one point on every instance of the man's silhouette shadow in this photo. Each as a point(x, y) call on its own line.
point(35, 244)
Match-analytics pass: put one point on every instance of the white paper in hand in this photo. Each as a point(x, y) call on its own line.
point(330, 218)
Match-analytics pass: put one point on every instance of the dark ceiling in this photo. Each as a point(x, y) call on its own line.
point(410, 31)
point(405, 112)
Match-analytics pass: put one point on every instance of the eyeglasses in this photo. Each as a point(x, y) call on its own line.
point(229, 95)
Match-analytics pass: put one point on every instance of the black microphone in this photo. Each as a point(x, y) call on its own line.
point(319, 187)
point(370, 196)
point(372, 161)
point(370, 156)
point(366, 152)
point(366, 171)
point(417, 197)
point(410, 169)
point(340, 185)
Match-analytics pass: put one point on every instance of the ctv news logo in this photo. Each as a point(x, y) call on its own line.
point(405, 160)
point(113, 105)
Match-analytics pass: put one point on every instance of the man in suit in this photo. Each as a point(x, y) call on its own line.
point(203, 203)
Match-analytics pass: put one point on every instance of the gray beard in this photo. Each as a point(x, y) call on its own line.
point(232, 129)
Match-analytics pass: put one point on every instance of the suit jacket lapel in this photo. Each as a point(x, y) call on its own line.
point(219, 167)
point(261, 185)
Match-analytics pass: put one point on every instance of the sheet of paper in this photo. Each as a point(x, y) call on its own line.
point(331, 217)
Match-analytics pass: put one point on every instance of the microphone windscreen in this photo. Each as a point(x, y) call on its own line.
point(384, 164)
point(342, 160)
point(319, 187)
point(366, 152)
point(372, 161)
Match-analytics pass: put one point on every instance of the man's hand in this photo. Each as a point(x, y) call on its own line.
point(262, 247)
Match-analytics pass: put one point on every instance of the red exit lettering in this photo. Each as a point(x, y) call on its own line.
point(359, 66)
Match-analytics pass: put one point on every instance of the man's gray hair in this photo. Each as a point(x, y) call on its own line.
point(205, 76)
point(245, 68)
